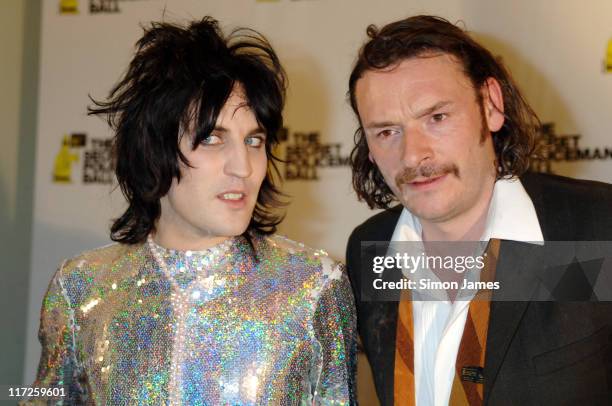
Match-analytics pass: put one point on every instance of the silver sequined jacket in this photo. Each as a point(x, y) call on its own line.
point(245, 323)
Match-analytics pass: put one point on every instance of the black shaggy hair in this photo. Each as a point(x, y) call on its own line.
point(181, 77)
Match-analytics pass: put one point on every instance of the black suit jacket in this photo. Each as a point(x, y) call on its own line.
point(538, 353)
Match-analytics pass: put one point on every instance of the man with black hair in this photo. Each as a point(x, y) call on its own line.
point(445, 131)
point(198, 302)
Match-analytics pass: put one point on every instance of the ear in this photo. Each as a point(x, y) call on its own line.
point(493, 103)
point(371, 158)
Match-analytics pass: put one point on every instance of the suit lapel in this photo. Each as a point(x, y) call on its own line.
point(517, 272)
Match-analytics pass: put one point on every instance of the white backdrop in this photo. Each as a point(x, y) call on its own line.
point(555, 50)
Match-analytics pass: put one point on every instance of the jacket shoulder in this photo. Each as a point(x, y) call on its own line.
point(96, 269)
point(100, 257)
point(562, 186)
point(290, 246)
point(301, 253)
point(378, 227)
point(571, 209)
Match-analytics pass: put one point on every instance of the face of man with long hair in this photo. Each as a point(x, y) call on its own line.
point(217, 193)
point(430, 137)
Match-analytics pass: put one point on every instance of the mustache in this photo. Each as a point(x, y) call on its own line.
point(409, 174)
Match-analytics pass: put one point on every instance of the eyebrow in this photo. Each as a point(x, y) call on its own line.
point(382, 124)
point(422, 113)
point(435, 107)
point(254, 131)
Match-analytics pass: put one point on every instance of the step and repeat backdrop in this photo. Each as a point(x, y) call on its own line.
point(559, 52)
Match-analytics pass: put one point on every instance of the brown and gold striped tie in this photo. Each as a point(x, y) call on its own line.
point(468, 383)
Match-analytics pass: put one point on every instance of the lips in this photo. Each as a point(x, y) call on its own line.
point(422, 183)
point(231, 195)
point(234, 199)
point(425, 174)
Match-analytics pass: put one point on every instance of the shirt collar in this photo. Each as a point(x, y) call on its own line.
point(511, 216)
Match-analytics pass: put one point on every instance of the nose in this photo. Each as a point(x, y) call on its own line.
point(416, 148)
point(238, 163)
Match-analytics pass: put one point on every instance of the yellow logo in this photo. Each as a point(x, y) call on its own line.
point(609, 57)
point(62, 169)
point(69, 6)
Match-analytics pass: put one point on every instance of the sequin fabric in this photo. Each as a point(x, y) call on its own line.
point(239, 324)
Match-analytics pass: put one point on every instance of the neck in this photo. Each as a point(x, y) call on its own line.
point(469, 226)
point(185, 244)
point(173, 236)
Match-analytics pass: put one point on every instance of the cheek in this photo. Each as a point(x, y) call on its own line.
point(200, 179)
point(182, 193)
point(388, 163)
point(459, 146)
point(379, 156)
point(179, 196)
point(260, 167)
point(389, 170)
point(206, 166)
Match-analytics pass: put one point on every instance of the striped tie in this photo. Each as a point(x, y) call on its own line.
point(467, 386)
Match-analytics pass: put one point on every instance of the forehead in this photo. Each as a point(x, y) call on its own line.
point(414, 83)
point(236, 107)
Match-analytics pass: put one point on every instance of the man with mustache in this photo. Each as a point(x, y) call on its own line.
point(444, 130)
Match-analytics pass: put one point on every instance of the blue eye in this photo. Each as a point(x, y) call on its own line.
point(256, 141)
point(212, 140)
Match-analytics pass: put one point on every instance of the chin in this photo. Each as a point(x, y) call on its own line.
point(428, 212)
point(232, 224)
point(231, 230)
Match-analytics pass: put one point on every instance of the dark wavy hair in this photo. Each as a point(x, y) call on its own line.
point(181, 77)
point(420, 36)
